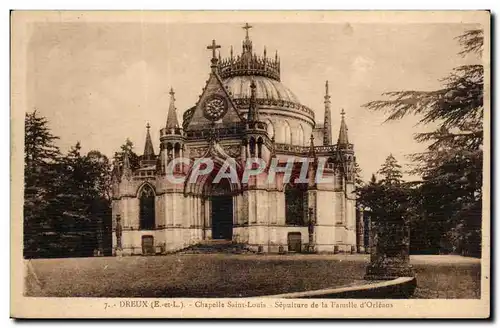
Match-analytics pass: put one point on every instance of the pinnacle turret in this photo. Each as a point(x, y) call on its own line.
point(172, 122)
point(343, 140)
point(327, 128)
point(253, 111)
point(312, 151)
point(149, 152)
point(126, 169)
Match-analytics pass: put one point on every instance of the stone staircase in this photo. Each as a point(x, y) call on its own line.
point(216, 246)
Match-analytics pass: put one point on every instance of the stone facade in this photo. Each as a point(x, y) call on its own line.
point(244, 112)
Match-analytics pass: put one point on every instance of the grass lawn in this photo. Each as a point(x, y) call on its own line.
point(225, 275)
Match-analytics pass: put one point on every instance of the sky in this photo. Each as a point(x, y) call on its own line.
point(102, 82)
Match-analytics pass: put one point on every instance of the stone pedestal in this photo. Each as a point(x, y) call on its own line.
point(390, 249)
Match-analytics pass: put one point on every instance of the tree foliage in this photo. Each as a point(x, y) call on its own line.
point(391, 171)
point(67, 204)
point(385, 198)
point(451, 168)
point(40, 155)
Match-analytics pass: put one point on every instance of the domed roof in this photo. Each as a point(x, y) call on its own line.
point(267, 88)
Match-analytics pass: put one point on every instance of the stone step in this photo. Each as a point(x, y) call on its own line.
point(216, 246)
point(216, 242)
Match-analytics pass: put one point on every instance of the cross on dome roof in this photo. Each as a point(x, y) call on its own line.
point(247, 27)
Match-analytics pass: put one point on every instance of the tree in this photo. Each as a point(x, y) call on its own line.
point(452, 165)
point(40, 156)
point(100, 169)
point(376, 195)
point(388, 202)
point(67, 205)
point(391, 171)
point(100, 211)
point(80, 204)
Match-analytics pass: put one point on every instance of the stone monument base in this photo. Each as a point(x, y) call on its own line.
point(388, 272)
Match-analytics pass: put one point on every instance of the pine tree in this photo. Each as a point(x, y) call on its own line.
point(40, 159)
point(67, 201)
point(389, 197)
point(100, 211)
point(451, 189)
point(391, 171)
point(80, 204)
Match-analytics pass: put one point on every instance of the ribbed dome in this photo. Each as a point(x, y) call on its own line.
point(267, 88)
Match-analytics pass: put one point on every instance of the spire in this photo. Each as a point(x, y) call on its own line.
point(327, 128)
point(172, 122)
point(314, 165)
point(253, 113)
point(149, 152)
point(126, 170)
point(343, 139)
point(115, 173)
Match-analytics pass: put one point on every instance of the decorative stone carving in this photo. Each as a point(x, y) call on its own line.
point(232, 150)
point(243, 103)
point(197, 152)
point(215, 107)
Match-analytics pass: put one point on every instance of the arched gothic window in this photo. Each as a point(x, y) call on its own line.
point(296, 204)
point(259, 147)
point(252, 145)
point(270, 129)
point(300, 136)
point(288, 133)
point(147, 208)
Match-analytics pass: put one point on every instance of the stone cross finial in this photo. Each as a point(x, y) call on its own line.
point(148, 126)
point(213, 47)
point(247, 27)
point(342, 112)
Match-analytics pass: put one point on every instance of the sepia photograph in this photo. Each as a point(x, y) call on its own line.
point(250, 164)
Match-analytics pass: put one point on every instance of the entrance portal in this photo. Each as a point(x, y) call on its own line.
point(222, 217)
point(148, 245)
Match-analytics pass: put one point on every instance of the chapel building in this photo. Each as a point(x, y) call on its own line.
point(244, 111)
